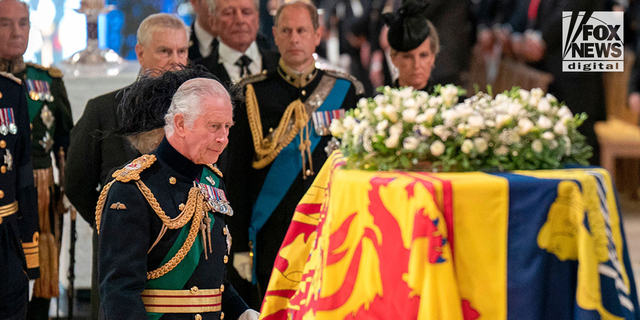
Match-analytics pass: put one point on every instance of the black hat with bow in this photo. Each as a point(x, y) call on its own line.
point(408, 26)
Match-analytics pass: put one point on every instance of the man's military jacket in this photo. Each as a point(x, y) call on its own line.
point(153, 261)
point(49, 112)
point(274, 93)
point(18, 211)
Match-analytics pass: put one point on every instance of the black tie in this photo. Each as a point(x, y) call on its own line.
point(244, 63)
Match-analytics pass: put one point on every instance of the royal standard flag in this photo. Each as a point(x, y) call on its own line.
point(411, 245)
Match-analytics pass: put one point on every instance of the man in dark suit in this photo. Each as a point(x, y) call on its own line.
point(238, 53)
point(19, 236)
point(269, 167)
point(162, 45)
point(203, 39)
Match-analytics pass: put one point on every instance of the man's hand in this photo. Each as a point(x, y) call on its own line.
point(243, 262)
point(250, 314)
point(634, 102)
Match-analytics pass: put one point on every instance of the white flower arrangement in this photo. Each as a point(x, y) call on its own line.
point(516, 130)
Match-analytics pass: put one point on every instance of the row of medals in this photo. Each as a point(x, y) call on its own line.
point(221, 206)
point(11, 128)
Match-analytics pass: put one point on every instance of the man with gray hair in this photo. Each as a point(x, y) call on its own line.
point(162, 45)
point(164, 243)
point(238, 53)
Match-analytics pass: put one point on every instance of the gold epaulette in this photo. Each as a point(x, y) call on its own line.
point(215, 170)
point(341, 75)
point(252, 78)
point(52, 71)
point(10, 76)
point(132, 170)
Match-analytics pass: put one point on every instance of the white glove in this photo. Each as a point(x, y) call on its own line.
point(250, 314)
point(243, 262)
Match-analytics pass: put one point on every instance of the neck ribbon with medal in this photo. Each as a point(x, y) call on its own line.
point(217, 201)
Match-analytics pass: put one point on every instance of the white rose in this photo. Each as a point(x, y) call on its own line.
point(409, 115)
point(514, 137)
point(565, 113)
point(382, 125)
point(442, 132)
point(421, 118)
point(560, 129)
point(537, 93)
point(501, 98)
point(524, 95)
point(392, 141)
point(391, 112)
point(553, 144)
point(502, 119)
point(379, 100)
point(544, 106)
point(567, 145)
point(406, 93)
point(467, 146)
point(551, 98)
point(536, 145)
point(490, 123)
point(476, 121)
point(481, 144)
point(431, 113)
point(502, 150)
point(524, 126)
point(548, 135)
point(336, 128)
point(396, 129)
point(349, 123)
point(437, 148)
point(427, 132)
point(410, 103)
point(362, 103)
point(421, 99)
point(378, 112)
point(410, 143)
point(449, 94)
point(514, 108)
point(544, 122)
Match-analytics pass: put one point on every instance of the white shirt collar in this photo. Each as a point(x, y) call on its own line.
point(228, 58)
point(204, 39)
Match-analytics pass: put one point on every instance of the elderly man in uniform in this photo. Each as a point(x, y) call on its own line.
point(51, 122)
point(414, 45)
point(162, 45)
point(18, 210)
point(164, 243)
point(279, 139)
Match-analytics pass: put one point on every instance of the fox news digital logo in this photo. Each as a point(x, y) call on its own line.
point(592, 41)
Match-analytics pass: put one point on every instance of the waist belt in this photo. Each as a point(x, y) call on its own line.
point(182, 301)
point(8, 210)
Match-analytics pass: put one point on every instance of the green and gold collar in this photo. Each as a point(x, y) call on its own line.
point(295, 78)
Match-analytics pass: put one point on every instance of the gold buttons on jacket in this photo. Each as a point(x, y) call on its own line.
point(304, 93)
point(221, 315)
point(0, 95)
point(221, 288)
point(3, 169)
point(181, 207)
point(172, 180)
point(194, 289)
point(1, 194)
point(224, 231)
point(3, 144)
point(226, 258)
point(198, 317)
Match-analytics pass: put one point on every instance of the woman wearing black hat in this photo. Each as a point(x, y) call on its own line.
point(414, 45)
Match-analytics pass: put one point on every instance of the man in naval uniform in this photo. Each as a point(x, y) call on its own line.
point(279, 139)
point(164, 244)
point(93, 153)
point(18, 210)
point(51, 122)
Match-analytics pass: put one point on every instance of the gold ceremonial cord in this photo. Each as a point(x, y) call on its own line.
point(101, 201)
point(268, 149)
point(186, 246)
point(184, 216)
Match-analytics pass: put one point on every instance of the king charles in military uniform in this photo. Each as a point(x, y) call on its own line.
point(279, 139)
point(164, 244)
point(50, 117)
point(18, 212)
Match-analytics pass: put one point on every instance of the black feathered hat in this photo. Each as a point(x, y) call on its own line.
point(408, 26)
point(146, 101)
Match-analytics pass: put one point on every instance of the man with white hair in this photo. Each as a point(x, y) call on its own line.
point(162, 45)
point(164, 243)
point(238, 54)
